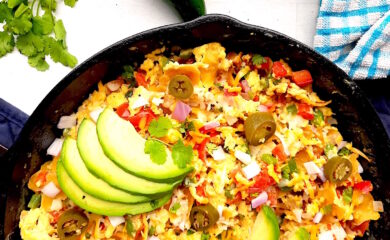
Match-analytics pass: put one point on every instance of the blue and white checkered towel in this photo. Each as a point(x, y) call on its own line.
point(355, 34)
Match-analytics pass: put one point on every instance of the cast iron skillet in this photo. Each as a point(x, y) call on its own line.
point(358, 122)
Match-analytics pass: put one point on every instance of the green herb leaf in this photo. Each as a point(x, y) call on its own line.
point(257, 59)
point(327, 209)
point(159, 127)
point(20, 25)
point(292, 165)
point(330, 150)
point(205, 236)
point(157, 151)
point(128, 75)
point(35, 201)
point(48, 4)
point(302, 234)
point(39, 62)
point(269, 159)
point(288, 169)
point(60, 32)
point(163, 61)
point(181, 154)
point(129, 227)
point(228, 194)
point(344, 152)
point(152, 230)
point(43, 25)
point(318, 120)
point(5, 12)
point(21, 9)
point(175, 207)
point(190, 232)
point(187, 126)
point(30, 44)
point(347, 195)
point(14, 3)
point(59, 54)
point(292, 109)
point(286, 172)
point(7, 43)
point(70, 3)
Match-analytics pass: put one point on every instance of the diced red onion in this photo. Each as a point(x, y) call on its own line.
point(312, 168)
point(211, 125)
point(317, 218)
point(262, 108)
point(218, 154)
point(56, 205)
point(55, 148)
point(181, 111)
point(360, 168)
point(378, 206)
point(259, 200)
point(341, 145)
point(50, 190)
point(243, 157)
point(140, 102)
point(67, 122)
point(251, 170)
point(95, 114)
point(115, 220)
point(114, 85)
point(245, 86)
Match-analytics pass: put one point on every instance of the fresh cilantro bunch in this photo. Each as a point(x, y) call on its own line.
point(36, 34)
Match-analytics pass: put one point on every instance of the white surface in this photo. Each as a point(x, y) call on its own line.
point(94, 24)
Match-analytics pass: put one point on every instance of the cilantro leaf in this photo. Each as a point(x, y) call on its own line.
point(70, 3)
point(43, 25)
point(157, 151)
point(159, 127)
point(205, 236)
point(318, 118)
point(59, 54)
point(30, 44)
point(327, 209)
point(129, 227)
point(187, 126)
point(175, 207)
point(38, 61)
point(128, 75)
point(14, 3)
point(292, 109)
point(181, 154)
point(257, 59)
point(5, 12)
point(344, 152)
point(7, 43)
point(21, 9)
point(20, 25)
point(347, 195)
point(60, 32)
point(48, 4)
point(268, 158)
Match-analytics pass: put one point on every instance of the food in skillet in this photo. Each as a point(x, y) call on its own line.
point(200, 144)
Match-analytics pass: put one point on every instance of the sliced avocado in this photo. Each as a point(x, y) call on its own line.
point(98, 206)
point(97, 162)
point(266, 226)
point(123, 145)
point(79, 173)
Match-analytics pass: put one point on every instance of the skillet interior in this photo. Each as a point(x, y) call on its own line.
point(358, 121)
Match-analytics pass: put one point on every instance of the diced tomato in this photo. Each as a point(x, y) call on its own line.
point(229, 94)
point(302, 78)
point(304, 110)
point(272, 193)
point(202, 153)
point(41, 179)
point(278, 151)
point(279, 70)
point(256, 98)
point(145, 115)
point(200, 190)
point(362, 228)
point(267, 65)
point(262, 182)
point(364, 186)
point(123, 111)
point(140, 78)
point(56, 215)
point(212, 132)
point(237, 198)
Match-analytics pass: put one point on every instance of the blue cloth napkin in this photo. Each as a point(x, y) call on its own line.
point(355, 34)
point(12, 121)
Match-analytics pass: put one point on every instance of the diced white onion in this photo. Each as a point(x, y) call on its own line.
point(321, 175)
point(339, 232)
point(298, 214)
point(67, 122)
point(55, 148)
point(140, 102)
point(312, 168)
point(210, 125)
point(259, 200)
point(115, 221)
point(219, 154)
point(56, 205)
point(317, 218)
point(231, 120)
point(220, 210)
point(360, 168)
point(285, 146)
point(252, 170)
point(114, 85)
point(378, 206)
point(243, 157)
point(95, 114)
point(50, 190)
point(326, 235)
point(157, 101)
point(262, 108)
point(341, 145)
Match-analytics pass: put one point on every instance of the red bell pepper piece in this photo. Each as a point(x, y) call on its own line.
point(278, 151)
point(302, 78)
point(279, 70)
point(202, 153)
point(123, 111)
point(262, 182)
point(143, 113)
point(304, 111)
point(267, 65)
point(140, 78)
point(362, 228)
point(364, 186)
point(229, 94)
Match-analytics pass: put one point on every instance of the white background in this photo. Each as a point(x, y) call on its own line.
point(94, 24)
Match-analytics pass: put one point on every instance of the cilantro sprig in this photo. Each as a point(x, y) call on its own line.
point(160, 127)
point(182, 154)
point(157, 151)
point(35, 35)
